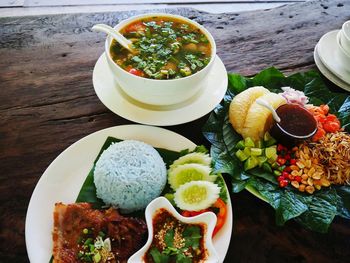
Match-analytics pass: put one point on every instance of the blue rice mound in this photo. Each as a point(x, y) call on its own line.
point(129, 175)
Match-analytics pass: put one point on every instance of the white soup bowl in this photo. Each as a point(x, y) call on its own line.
point(159, 92)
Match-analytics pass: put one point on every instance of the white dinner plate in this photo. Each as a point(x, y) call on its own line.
point(63, 179)
point(329, 56)
point(327, 73)
point(111, 95)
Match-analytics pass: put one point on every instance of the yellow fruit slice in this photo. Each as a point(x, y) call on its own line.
point(240, 105)
point(259, 119)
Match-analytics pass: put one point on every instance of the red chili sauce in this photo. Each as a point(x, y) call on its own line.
point(296, 120)
point(174, 240)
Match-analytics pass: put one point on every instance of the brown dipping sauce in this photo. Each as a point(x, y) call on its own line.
point(297, 123)
point(166, 227)
point(296, 120)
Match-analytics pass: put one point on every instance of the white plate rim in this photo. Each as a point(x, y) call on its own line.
point(327, 73)
point(46, 193)
point(201, 104)
point(329, 56)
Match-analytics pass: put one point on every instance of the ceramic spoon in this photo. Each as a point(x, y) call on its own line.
point(268, 106)
point(126, 43)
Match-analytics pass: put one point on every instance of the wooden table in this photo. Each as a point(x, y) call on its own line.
point(47, 102)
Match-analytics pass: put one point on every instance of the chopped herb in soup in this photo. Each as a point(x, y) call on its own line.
point(167, 48)
point(174, 241)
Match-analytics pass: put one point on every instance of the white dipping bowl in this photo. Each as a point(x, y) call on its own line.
point(208, 219)
point(159, 92)
point(343, 56)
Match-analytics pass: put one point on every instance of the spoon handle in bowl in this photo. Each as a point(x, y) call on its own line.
point(126, 43)
point(268, 106)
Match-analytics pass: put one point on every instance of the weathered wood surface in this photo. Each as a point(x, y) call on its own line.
point(47, 102)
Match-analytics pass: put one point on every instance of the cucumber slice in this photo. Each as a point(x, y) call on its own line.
point(241, 155)
point(195, 157)
point(250, 163)
point(240, 145)
point(262, 160)
point(270, 152)
point(267, 136)
point(256, 151)
point(248, 142)
point(277, 173)
point(184, 173)
point(196, 195)
point(247, 151)
point(270, 142)
point(274, 157)
point(260, 144)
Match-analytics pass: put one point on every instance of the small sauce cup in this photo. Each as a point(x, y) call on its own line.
point(297, 124)
point(208, 219)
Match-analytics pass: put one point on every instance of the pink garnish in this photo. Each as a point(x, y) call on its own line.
point(294, 96)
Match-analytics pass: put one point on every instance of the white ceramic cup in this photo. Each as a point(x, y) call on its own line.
point(159, 92)
point(342, 55)
point(345, 37)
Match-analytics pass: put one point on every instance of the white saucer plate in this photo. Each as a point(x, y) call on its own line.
point(63, 179)
point(327, 73)
point(328, 53)
point(111, 95)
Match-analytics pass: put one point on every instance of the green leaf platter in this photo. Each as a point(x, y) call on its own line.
point(316, 212)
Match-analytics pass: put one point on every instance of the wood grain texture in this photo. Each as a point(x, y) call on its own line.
point(132, 2)
point(47, 102)
point(70, 9)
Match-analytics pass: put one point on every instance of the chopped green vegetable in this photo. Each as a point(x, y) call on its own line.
point(256, 151)
point(169, 237)
point(246, 151)
point(97, 257)
point(271, 152)
point(267, 136)
point(248, 142)
point(250, 163)
point(241, 155)
point(170, 197)
point(277, 173)
point(262, 160)
point(192, 236)
point(260, 144)
point(159, 257)
point(240, 145)
point(88, 241)
point(270, 142)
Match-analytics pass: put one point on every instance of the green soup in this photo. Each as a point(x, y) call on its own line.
point(167, 48)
